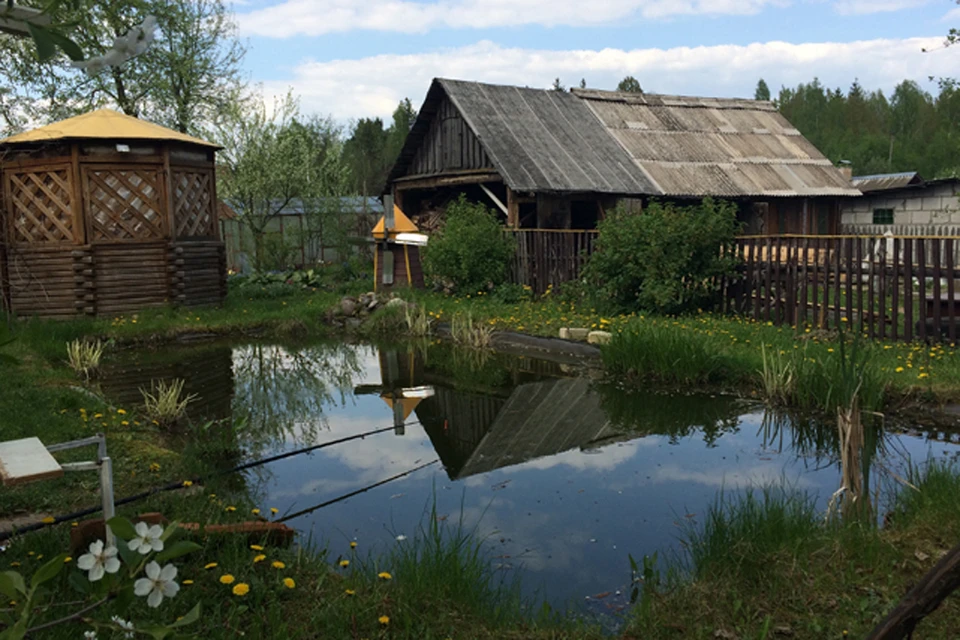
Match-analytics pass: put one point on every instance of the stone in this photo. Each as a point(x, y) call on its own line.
point(396, 303)
point(599, 337)
point(348, 306)
point(574, 333)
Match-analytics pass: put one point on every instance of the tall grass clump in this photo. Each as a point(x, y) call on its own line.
point(742, 535)
point(931, 498)
point(668, 354)
point(470, 332)
point(418, 323)
point(165, 402)
point(84, 357)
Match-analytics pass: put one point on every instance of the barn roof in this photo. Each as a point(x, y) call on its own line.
point(887, 181)
point(538, 140)
point(632, 144)
point(691, 146)
point(103, 124)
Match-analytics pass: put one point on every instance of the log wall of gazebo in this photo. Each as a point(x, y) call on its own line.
point(90, 230)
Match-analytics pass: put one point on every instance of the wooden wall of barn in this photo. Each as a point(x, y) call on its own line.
point(449, 145)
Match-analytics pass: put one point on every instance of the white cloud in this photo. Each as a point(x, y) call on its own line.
point(862, 7)
point(317, 17)
point(372, 86)
point(951, 16)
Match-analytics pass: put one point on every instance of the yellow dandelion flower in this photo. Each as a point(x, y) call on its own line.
point(231, 509)
point(48, 520)
point(210, 565)
point(274, 510)
point(188, 483)
point(241, 589)
point(255, 512)
point(256, 547)
point(187, 582)
point(923, 375)
point(384, 620)
point(383, 575)
point(259, 558)
point(227, 579)
point(14, 564)
point(121, 412)
point(67, 559)
point(289, 583)
point(344, 563)
point(278, 565)
point(353, 544)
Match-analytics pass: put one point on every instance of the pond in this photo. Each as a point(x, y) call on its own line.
point(563, 475)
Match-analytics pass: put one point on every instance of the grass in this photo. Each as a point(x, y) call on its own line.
point(165, 403)
point(469, 332)
point(767, 565)
point(84, 357)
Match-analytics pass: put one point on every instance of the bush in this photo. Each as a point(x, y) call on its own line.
point(471, 251)
point(666, 259)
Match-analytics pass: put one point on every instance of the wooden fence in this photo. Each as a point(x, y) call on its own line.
point(898, 288)
point(548, 257)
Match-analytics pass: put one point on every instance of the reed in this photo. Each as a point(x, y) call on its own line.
point(84, 357)
point(468, 331)
point(418, 322)
point(165, 402)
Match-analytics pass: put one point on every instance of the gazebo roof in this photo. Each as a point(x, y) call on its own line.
point(103, 124)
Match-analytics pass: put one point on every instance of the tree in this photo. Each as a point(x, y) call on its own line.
point(583, 83)
point(629, 85)
point(264, 165)
point(189, 74)
point(366, 154)
point(762, 92)
point(557, 85)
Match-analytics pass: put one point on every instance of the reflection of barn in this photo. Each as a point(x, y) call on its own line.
point(208, 373)
point(476, 429)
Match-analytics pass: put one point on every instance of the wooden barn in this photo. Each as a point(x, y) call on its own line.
point(557, 160)
point(104, 214)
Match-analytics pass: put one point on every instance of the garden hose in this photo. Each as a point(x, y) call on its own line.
point(173, 486)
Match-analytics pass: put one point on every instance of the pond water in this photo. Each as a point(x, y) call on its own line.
point(563, 475)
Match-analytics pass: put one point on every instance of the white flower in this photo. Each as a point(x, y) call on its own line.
point(158, 584)
point(90, 635)
point(148, 538)
point(98, 561)
point(128, 629)
point(401, 538)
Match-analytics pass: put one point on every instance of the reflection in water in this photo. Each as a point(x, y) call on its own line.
point(563, 475)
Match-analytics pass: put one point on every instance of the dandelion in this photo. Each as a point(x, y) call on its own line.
point(383, 575)
point(241, 589)
point(14, 564)
point(154, 467)
point(188, 483)
point(100, 560)
point(230, 509)
point(67, 560)
point(274, 510)
point(289, 583)
point(210, 565)
point(227, 579)
point(188, 582)
point(148, 538)
point(255, 512)
point(157, 585)
point(350, 592)
point(384, 620)
point(353, 544)
point(121, 412)
point(344, 563)
point(259, 558)
point(923, 375)
point(256, 547)
point(278, 565)
point(48, 520)
point(899, 369)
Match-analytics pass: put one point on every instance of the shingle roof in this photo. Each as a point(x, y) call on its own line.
point(633, 144)
point(103, 124)
point(715, 147)
point(887, 181)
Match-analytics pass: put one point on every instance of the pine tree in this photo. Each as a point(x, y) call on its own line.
point(629, 85)
point(762, 92)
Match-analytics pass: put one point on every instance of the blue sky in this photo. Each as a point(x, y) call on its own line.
point(350, 59)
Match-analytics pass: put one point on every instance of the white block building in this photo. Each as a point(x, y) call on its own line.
point(904, 204)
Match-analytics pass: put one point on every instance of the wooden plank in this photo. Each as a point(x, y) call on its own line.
point(922, 287)
point(908, 289)
point(753, 279)
point(883, 290)
point(859, 271)
point(895, 303)
point(848, 249)
point(815, 284)
point(871, 288)
point(951, 290)
point(767, 277)
point(937, 302)
point(804, 281)
point(26, 460)
point(837, 302)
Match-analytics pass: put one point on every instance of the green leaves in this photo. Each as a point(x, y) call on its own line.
point(122, 528)
point(161, 632)
point(48, 572)
point(11, 585)
point(49, 39)
point(177, 550)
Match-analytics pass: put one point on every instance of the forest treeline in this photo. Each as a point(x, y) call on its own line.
point(909, 130)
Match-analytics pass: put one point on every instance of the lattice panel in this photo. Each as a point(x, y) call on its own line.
point(125, 204)
point(193, 203)
point(41, 202)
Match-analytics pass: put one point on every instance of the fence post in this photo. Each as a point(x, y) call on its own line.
point(922, 288)
point(908, 289)
point(937, 302)
point(895, 293)
point(951, 289)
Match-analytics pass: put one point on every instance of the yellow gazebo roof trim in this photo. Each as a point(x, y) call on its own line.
point(103, 124)
point(401, 224)
point(408, 404)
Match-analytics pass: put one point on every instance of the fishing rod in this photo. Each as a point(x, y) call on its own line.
point(303, 512)
point(173, 486)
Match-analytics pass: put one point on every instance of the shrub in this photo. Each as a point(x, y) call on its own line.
point(471, 251)
point(666, 259)
point(84, 357)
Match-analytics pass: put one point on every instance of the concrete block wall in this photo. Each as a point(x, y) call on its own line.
point(938, 205)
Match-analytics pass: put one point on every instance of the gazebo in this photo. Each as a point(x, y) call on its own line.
point(104, 214)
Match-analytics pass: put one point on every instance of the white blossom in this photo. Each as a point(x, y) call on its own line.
point(148, 538)
point(90, 635)
point(401, 538)
point(98, 561)
point(126, 46)
point(127, 626)
point(158, 584)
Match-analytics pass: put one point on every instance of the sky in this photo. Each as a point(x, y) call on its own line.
point(350, 59)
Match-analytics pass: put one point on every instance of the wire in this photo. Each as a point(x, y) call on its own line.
point(173, 486)
point(303, 512)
